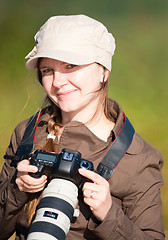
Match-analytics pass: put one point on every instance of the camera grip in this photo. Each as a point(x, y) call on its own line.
point(39, 173)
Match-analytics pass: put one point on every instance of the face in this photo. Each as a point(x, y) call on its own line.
point(74, 88)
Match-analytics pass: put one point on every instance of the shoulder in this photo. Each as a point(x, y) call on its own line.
point(144, 153)
point(139, 168)
point(43, 115)
point(21, 127)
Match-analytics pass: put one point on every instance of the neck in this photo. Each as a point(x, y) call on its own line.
point(86, 114)
point(96, 122)
point(102, 127)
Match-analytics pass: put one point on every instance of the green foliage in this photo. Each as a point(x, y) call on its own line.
point(139, 75)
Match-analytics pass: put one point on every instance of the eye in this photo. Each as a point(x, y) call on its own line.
point(47, 72)
point(70, 66)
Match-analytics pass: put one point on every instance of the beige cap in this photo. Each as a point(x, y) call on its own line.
point(75, 39)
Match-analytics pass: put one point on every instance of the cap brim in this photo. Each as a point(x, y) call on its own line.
point(61, 55)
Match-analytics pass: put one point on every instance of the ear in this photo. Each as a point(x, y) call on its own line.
point(105, 75)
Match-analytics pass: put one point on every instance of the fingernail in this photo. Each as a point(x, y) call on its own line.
point(34, 169)
point(81, 170)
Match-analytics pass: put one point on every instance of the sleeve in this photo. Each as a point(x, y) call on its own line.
point(140, 216)
point(11, 199)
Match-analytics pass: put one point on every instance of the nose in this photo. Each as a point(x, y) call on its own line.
point(59, 79)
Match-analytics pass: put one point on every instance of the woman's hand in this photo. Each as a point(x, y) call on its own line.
point(97, 194)
point(25, 182)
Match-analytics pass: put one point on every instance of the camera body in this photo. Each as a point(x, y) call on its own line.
point(64, 165)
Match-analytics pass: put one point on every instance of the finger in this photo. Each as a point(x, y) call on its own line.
point(91, 202)
point(24, 166)
point(90, 194)
point(98, 205)
point(87, 193)
point(95, 177)
point(31, 188)
point(30, 181)
point(93, 187)
point(25, 186)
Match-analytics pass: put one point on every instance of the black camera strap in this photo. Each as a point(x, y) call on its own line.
point(106, 167)
point(27, 142)
point(116, 150)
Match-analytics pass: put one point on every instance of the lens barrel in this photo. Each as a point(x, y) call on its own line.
point(54, 211)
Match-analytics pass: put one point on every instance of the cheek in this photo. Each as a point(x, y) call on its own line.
point(85, 81)
point(46, 84)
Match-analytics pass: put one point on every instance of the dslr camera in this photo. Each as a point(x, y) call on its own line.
point(64, 165)
point(59, 199)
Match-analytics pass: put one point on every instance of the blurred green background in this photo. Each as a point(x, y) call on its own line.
point(139, 75)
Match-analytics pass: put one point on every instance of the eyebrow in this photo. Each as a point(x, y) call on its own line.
point(41, 67)
point(45, 66)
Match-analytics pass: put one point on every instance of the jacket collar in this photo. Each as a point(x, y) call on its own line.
point(117, 115)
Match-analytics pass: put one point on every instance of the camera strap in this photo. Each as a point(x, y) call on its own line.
point(116, 150)
point(27, 142)
point(113, 155)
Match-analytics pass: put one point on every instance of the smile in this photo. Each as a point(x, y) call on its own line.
point(66, 93)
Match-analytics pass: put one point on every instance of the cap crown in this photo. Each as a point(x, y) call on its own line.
point(76, 39)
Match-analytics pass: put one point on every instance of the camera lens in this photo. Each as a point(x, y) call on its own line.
point(84, 164)
point(55, 211)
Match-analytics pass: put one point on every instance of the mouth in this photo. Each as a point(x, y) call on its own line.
point(65, 93)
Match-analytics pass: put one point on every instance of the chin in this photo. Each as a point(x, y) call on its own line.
point(68, 108)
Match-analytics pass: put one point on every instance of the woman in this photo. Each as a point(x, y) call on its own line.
point(73, 59)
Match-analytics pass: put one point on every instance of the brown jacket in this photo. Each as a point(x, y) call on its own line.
point(135, 186)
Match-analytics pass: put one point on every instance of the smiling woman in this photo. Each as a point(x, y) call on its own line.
point(75, 89)
point(73, 57)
